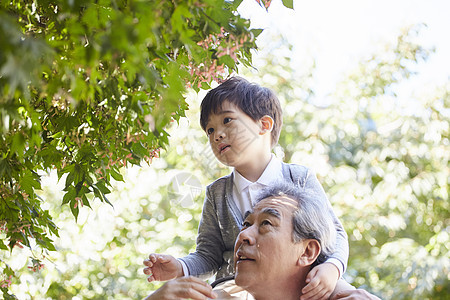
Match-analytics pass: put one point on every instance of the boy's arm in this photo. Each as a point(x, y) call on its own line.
point(340, 256)
point(207, 258)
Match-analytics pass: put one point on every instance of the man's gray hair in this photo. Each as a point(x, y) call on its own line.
point(311, 220)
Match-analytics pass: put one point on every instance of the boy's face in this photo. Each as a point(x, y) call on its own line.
point(235, 138)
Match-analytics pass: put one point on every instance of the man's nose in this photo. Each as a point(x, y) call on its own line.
point(247, 235)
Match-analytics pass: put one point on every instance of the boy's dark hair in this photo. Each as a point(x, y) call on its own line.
point(254, 100)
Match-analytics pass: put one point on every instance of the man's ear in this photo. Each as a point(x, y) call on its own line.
point(266, 124)
point(309, 253)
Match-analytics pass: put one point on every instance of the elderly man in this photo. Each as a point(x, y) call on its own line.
point(282, 238)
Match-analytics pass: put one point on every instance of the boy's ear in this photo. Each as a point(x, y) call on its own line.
point(266, 124)
point(309, 252)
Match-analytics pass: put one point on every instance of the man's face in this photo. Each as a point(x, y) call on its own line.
point(265, 252)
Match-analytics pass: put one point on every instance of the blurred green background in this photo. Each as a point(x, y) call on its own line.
point(383, 162)
point(384, 169)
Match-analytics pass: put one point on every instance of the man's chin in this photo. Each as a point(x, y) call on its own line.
point(243, 279)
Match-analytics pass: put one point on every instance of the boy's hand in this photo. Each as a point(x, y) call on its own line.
point(321, 281)
point(161, 267)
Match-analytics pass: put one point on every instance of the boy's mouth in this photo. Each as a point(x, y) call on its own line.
point(223, 148)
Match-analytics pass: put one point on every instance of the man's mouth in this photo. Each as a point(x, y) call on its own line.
point(244, 258)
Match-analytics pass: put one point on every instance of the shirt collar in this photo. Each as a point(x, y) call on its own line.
point(271, 173)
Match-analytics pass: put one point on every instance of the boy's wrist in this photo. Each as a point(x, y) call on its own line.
point(338, 264)
point(182, 269)
point(334, 267)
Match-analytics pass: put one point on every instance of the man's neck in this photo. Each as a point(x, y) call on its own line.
point(292, 294)
point(287, 290)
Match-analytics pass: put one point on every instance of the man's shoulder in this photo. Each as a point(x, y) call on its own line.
point(228, 290)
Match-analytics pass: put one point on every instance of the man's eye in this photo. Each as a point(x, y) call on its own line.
point(210, 131)
point(246, 224)
point(266, 222)
point(226, 120)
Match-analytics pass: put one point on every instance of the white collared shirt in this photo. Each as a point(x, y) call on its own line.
point(245, 191)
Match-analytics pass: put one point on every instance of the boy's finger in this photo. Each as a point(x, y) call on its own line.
point(310, 286)
point(147, 271)
point(320, 295)
point(311, 294)
point(165, 258)
point(310, 276)
point(148, 263)
point(152, 257)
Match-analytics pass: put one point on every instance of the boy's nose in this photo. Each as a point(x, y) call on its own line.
point(219, 135)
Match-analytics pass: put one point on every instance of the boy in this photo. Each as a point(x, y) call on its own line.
point(243, 123)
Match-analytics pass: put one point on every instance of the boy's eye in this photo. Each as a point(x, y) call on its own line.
point(209, 131)
point(226, 120)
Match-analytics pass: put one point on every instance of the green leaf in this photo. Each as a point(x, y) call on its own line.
point(18, 144)
point(100, 190)
point(117, 176)
point(101, 185)
point(288, 3)
point(69, 196)
point(138, 150)
point(3, 246)
point(67, 169)
point(228, 61)
point(69, 179)
point(29, 182)
point(75, 210)
point(48, 244)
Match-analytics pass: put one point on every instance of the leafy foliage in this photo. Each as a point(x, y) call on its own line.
point(73, 78)
point(384, 167)
point(102, 256)
point(88, 87)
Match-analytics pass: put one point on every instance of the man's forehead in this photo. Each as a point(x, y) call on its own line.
point(275, 205)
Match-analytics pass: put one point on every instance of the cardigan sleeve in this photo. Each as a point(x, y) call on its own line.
point(341, 253)
point(208, 256)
